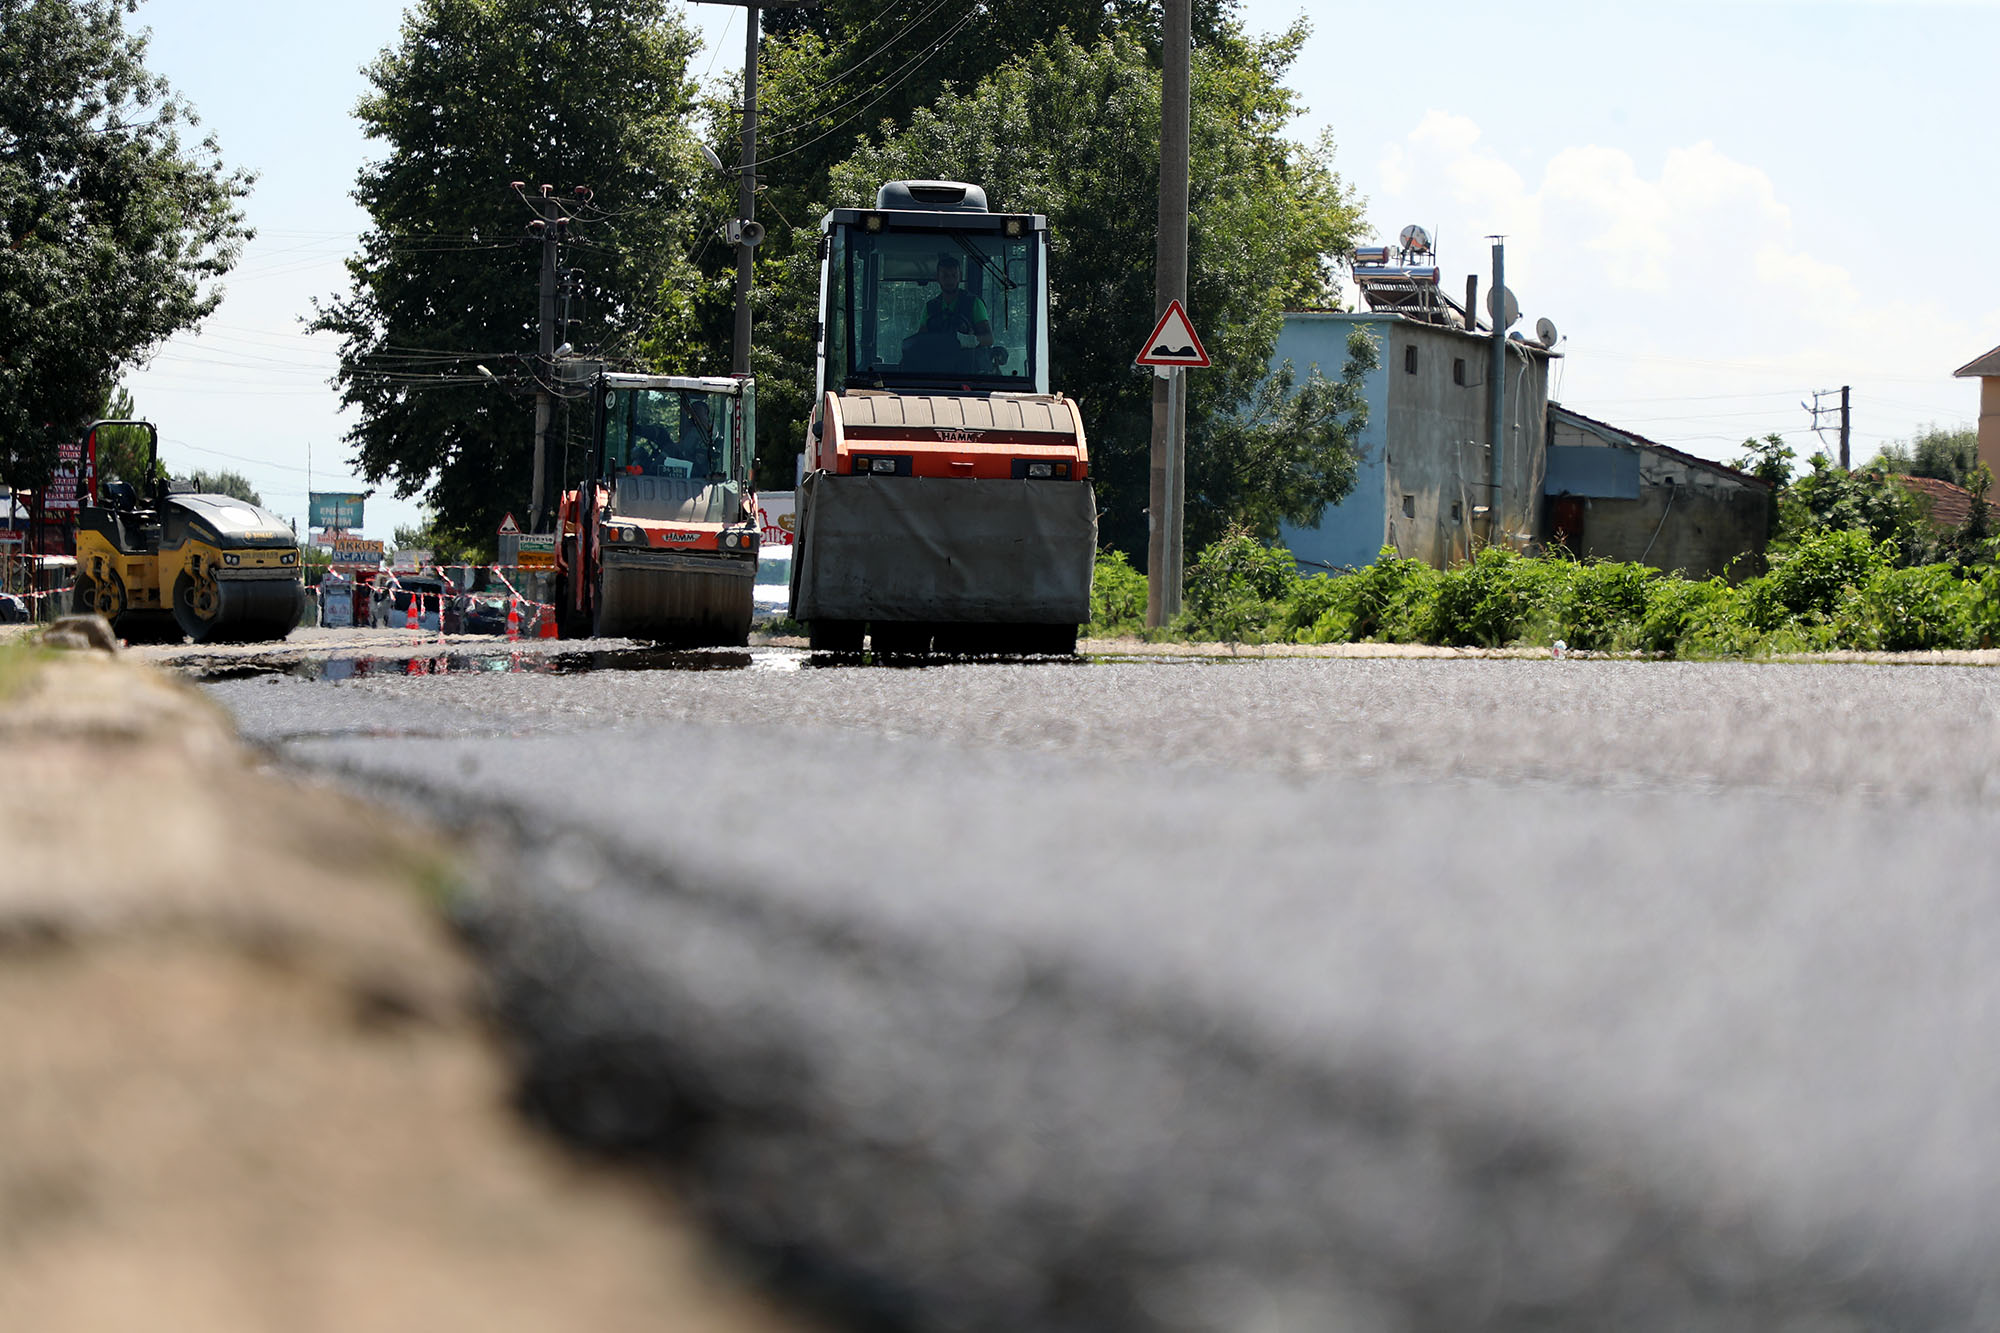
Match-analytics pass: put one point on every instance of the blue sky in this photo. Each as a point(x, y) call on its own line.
point(1723, 206)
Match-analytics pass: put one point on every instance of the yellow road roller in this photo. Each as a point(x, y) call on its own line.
point(159, 563)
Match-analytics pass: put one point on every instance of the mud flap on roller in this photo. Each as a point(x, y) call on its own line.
point(944, 549)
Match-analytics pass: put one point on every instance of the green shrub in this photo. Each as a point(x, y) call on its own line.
point(1117, 597)
point(1908, 610)
point(1497, 598)
point(1602, 605)
point(1237, 589)
point(1818, 576)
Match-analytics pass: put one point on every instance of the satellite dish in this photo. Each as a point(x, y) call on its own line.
point(1502, 306)
point(1416, 240)
point(1545, 331)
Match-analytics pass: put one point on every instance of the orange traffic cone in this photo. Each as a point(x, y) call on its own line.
point(545, 621)
point(513, 618)
point(411, 623)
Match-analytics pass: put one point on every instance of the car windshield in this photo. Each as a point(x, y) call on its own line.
point(669, 433)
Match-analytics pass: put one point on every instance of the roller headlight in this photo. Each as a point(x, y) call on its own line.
point(231, 558)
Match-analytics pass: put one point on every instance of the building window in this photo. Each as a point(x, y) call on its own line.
point(1458, 370)
point(1457, 512)
point(1410, 359)
point(1409, 506)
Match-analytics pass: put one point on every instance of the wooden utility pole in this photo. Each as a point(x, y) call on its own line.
point(1165, 506)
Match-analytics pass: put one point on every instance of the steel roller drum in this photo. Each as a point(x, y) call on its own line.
point(249, 611)
point(675, 603)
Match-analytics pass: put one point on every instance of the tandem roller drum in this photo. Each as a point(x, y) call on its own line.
point(238, 610)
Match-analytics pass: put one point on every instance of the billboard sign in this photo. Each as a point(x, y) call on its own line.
point(61, 495)
point(536, 552)
point(777, 516)
point(356, 551)
point(330, 509)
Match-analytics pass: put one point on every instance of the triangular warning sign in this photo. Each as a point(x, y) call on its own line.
point(1173, 342)
point(509, 528)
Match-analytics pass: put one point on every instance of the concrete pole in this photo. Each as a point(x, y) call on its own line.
point(1496, 396)
point(1163, 548)
point(1845, 465)
point(545, 372)
point(746, 191)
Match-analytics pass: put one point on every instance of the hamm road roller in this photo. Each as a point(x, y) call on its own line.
point(659, 542)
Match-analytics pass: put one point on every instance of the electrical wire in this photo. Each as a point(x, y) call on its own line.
point(908, 71)
point(801, 112)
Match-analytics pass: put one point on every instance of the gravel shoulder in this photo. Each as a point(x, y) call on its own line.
point(252, 1084)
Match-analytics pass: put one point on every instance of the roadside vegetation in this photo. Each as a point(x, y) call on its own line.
point(1855, 564)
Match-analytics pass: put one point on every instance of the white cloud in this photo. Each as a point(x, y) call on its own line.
point(1684, 278)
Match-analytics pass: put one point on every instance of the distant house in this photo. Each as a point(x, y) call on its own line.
point(1612, 494)
point(1986, 370)
point(1948, 505)
point(1425, 484)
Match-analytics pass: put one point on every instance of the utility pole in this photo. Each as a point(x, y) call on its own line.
point(1166, 508)
point(746, 194)
point(1844, 464)
point(550, 227)
point(1496, 390)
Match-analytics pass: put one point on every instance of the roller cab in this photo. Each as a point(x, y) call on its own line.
point(659, 542)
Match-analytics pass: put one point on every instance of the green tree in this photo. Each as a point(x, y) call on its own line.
point(1945, 455)
point(847, 73)
point(1830, 499)
point(122, 451)
point(585, 95)
point(114, 223)
point(1073, 132)
point(1769, 458)
point(233, 484)
point(446, 548)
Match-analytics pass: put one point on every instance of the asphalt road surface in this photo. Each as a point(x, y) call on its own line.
point(1371, 996)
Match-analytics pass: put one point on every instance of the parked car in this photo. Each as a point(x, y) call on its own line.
point(13, 610)
point(486, 613)
point(390, 606)
point(773, 593)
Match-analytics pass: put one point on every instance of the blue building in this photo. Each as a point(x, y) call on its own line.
point(1425, 484)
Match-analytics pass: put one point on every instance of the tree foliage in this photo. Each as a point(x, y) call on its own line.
point(233, 484)
point(1073, 132)
point(114, 223)
point(122, 451)
point(1936, 452)
point(478, 93)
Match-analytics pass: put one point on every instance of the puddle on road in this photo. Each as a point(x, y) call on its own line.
point(377, 666)
point(216, 670)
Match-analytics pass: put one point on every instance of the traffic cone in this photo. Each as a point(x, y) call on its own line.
point(545, 621)
point(411, 623)
point(513, 618)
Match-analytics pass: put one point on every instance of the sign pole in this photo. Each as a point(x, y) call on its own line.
point(1170, 260)
point(1174, 578)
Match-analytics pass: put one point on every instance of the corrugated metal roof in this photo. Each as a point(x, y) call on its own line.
point(1640, 441)
point(1980, 366)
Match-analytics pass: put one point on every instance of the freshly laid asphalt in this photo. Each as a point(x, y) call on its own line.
point(1356, 995)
